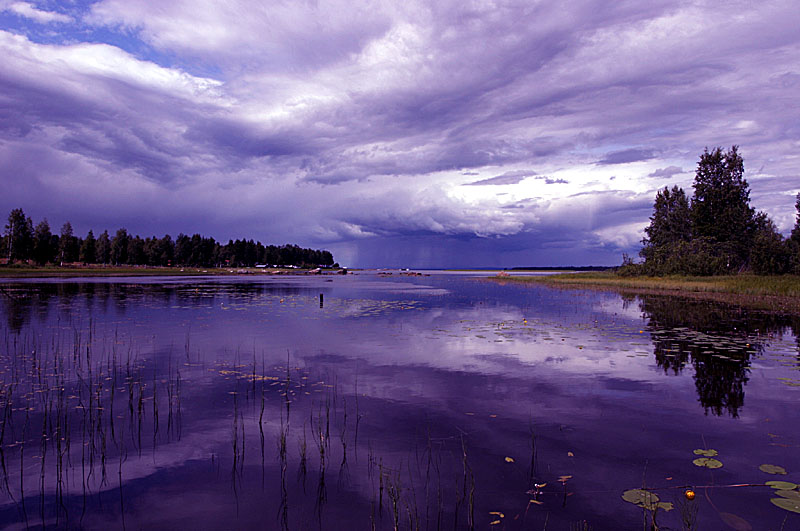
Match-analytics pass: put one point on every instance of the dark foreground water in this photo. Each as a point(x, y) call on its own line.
point(365, 402)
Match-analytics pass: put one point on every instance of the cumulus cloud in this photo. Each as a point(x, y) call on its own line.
point(354, 124)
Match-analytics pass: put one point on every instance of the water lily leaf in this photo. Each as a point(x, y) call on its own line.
point(642, 498)
point(791, 494)
point(707, 453)
point(736, 522)
point(787, 504)
point(772, 469)
point(509, 459)
point(781, 485)
point(666, 506)
point(707, 462)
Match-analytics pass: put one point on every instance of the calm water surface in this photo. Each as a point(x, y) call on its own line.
point(366, 401)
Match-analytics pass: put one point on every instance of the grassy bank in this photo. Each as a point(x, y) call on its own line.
point(131, 271)
point(774, 293)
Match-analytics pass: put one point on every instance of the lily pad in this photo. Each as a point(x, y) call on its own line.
point(772, 469)
point(787, 504)
point(781, 485)
point(642, 498)
point(707, 453)
point(790, 494)
point(707, 462)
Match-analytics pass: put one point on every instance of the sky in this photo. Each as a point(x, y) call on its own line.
point(413, 134)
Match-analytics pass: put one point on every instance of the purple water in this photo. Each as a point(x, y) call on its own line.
point(365, 401)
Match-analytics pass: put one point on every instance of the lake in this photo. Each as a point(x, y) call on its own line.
point(372, 401)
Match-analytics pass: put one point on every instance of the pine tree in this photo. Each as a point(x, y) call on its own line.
point(87, 253)
point(136, 253)
point(670, 226)
point(671, 219)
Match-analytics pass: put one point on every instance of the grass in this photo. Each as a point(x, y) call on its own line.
point(774, 293)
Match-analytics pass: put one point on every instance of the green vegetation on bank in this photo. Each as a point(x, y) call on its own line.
point(774, 293)
point(561, 268)
point(784, 286)
point(26, 244)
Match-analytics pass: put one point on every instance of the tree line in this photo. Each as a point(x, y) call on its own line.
point(715, 232)
point(22, 242)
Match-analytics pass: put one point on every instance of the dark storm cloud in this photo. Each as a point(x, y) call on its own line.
point(547, 231)
point(627, 155)
point(666, 173)
point(509, 177)
point(549, 180)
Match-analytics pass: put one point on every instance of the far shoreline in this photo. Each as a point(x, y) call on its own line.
point(76, 271)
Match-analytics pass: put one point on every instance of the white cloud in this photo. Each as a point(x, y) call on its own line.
point(24, 9)
point(86, 67)
point(247, 35)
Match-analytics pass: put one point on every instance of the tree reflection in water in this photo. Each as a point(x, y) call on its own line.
point(717, 340)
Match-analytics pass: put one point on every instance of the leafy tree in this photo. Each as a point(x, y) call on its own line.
point(119, 247)
point(721, 205)
point(796, 229)
point(88, 249)
point(102, 248)
point(19, 235)
point(769, 254)
point(43, 249)
point(670, 225)
point(67, 244)
point(793, 243)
